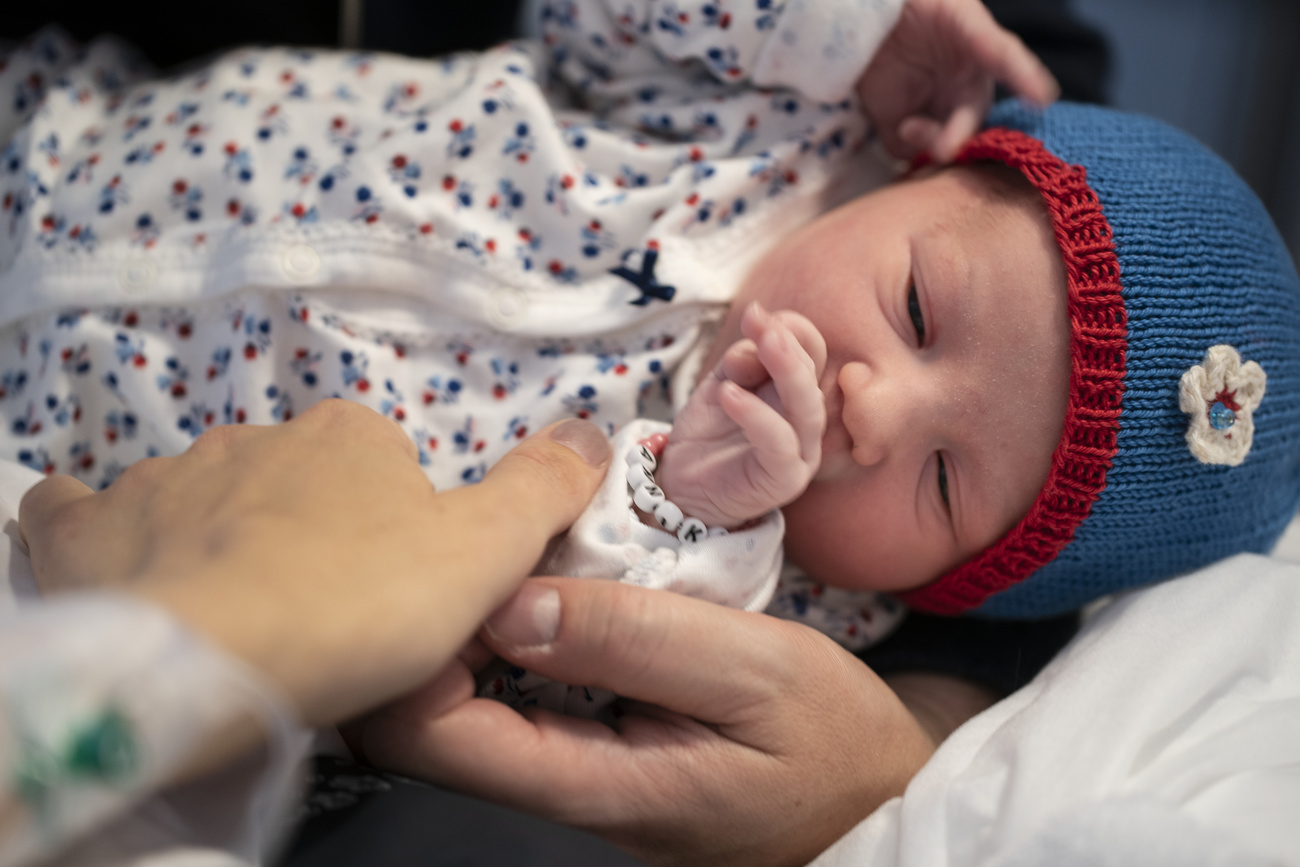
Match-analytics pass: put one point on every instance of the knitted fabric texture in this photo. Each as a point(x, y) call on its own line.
point(1167, 254)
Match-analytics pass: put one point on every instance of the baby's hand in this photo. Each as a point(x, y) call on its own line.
point(931, 83)
point(749, 440)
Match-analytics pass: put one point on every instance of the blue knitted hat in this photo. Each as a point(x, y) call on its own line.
point(1182, 299)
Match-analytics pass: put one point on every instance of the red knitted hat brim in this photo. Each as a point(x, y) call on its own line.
point(1098, 340)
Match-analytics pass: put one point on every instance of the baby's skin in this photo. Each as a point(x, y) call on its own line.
point(894, 375)
point(749, 439)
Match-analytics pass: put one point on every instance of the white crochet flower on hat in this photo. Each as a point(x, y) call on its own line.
point(1221, 395)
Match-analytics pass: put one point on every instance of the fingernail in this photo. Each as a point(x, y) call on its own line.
point(584, 438)
point(530, 619)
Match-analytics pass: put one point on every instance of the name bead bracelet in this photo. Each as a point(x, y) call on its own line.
point(650, 498)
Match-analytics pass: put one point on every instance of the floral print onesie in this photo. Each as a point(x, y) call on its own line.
point(474, 246)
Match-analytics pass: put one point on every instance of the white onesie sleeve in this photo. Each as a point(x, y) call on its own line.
point(622, 48)
point(609, 540)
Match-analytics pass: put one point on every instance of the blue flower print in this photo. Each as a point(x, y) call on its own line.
point(49, 146)
point(83, 170)
point(129, 351)
point(186, 198)
point(181, 113)
point(672, 20)
point(391, 404)
point(220, 363)
point(75, 361)
point(500, 96)
point(193, 143)
point(301, 214)
point(725, 62)
point(354, 369)
point(28, 91)
point(281, 403)
point(506, 374)
point(529, 244)
point(595, 238)
point(63, 411)
point(37, 459)
point(173, 377)
point(715, 16)
point(368, 207)
point(27, 424)
point(112, 194)
point(506, 199)
point(301, 166)
point(230, 412)
point(12, 383)
point(242, 214)
point(239, 163)
point(257, 331)
point(463, 191)
point(136, 124)
point(271, 124)
point(81, 457)
point(144, 154)
point(516, 428)
point(111, 471)
point(401, 99)
point(426, 444)
point(461, 144)
point(521, 144)
point(146, 232)
point(198, 419)
point(119, 425)
point(304, 365)
point(583, 403)
point(342, 133)
point(465, 441)
point(406, 173)
point(441, 390)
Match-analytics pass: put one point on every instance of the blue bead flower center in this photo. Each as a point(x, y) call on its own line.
point(1221, 418)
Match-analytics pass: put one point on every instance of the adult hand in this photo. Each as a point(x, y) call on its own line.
point(752, 740)
point(317, 550)
point(931, 83)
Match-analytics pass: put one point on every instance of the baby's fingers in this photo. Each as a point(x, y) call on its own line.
point(772, 438)
point(794, 376)
point(740, 365)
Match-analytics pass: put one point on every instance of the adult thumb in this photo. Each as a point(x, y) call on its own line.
point(545, 483)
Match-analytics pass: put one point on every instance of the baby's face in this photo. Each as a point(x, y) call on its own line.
point(943, 306)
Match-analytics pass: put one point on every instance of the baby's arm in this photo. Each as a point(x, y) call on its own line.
point(749, 439)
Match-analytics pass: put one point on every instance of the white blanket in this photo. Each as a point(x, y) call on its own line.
point(1167, 732)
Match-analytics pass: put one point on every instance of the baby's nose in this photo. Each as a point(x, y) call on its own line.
point(878, 411)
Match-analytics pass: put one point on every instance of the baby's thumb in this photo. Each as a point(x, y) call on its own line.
point(547, 480)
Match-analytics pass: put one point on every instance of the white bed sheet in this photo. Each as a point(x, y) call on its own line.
point(1167, 732)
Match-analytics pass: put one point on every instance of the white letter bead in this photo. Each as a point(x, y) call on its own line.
point(669, 515)
point(643, 456)
point(638, 475)
point(692, 531)
point(717, 531)
point(647, 497)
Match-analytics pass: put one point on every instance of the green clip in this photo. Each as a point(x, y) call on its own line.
point(103, 749)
